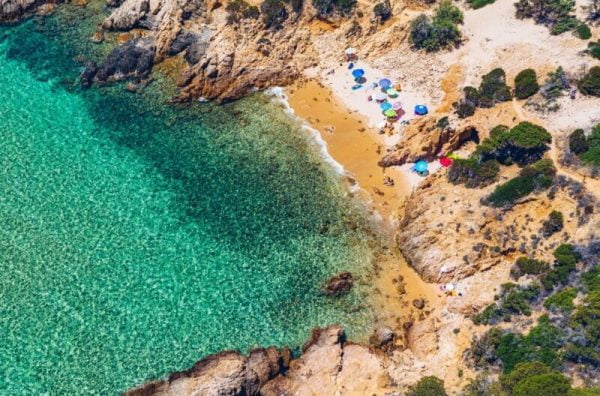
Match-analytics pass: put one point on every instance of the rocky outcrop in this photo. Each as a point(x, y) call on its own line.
point(13, 10)
point(426, 139)
point(134, 59)
point(339, 284)
point(225, 373)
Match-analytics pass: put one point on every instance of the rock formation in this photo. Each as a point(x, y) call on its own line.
point(339, 284)
point(13, 10)
point(426, 139)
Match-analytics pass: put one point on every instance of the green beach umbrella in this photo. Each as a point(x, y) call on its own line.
point(390, 113)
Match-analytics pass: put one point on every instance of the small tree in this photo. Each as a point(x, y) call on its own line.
point(554, 224)
point(383, 10)
point(551, 384)
point(583, 31)
point(439, 32)
point(274, 13)
point(526, 84)
point(428, 386)
point(590, 83)
point(578, 143)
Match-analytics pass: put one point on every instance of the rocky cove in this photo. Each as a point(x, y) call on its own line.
point(441, 226)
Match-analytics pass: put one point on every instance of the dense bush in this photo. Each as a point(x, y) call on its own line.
point(526, 84)
point(590, 83)
point(440, 32)
point(554, 224)
point(383, 10)
point(472, 173)
point(523, 144)
point(578, 143)
point(513, 300)
point(556, 82)
point(562, 300)
point(594, 49)
point(521, 372)
point(565, 263)
point(527, 266)
point(327, 8)
point(493, 89)
point(536, 177)
point(553, 384)
point(480, 3)
point(555, 14)
point(239, 9)
point(428, 386)
point(274, 13)
point(583, 31)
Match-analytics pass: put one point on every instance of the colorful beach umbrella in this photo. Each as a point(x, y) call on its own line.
point(397, 106)
point(445, 162)
point(385, 83)
point(392, 93)
point(390, 113)
point(421, 166)
point(380, 96)
point(421, 110)
point(385, 106)
point(358, 73)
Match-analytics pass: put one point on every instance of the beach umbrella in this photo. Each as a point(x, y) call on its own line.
point(445, 162)
point(385, 106)
point(350, 51)
point(392, 92)
point(358, 73)
point(421, 110)
point(390, 113)
point(421, 166)
point(380, 96)
point(385, 83)
point(397, 106)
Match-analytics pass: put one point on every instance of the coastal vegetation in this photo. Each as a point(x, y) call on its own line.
point(440, 32)
point(586, 148)
point(553, 224)
point(428, 386)
point(480, 3)
point(238, 10)
point(383, 11)
point(328, 8)
point(557, 15)
point(583, 31)
point(492, 90)
point(594, 49)
point(526, 84)
point(590, 83)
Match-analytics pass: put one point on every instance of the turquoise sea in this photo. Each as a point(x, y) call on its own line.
point(137, 237)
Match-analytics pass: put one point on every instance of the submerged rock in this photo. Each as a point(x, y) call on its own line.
point(339, 284)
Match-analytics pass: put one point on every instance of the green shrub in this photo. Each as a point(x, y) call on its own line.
point(536, 177)
point(526, 84)
point(383, 10)
point(554, 224)
point(556, 82)
point(523, 371)
point(545, 384)
point(523, 144)
point(527, 266)
point(592, 156)
point(584, 392)
point(562, 300)
point(591, 279)
point(327, 8)
point(480, 3)
point(555, 14)
point(472, 173)
point(493, 88)
point(274, 13)
point(590, 83)
point(578, 143)
point(437, 33)
point(239, 9)
point(594, 49)
point(564, 265)
point(513, 300)
point(583, 31)
point(428, 386)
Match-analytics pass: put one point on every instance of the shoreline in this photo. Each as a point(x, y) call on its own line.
point(347, 141)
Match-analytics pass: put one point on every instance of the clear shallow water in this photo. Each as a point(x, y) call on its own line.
point(136, 238)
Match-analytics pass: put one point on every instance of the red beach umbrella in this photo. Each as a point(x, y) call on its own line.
point(445, 161)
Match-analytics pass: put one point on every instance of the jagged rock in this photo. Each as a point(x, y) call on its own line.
point(418, 303)
point(127, 15)
point(426, 140)
point(12, 10)
point(88, 74)
point(382, 336)
point(339, 284)
point(132, 59)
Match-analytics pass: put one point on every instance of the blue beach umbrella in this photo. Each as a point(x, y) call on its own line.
point(385, 106)
point(358, 73)
point(421, 110)
point(421, 166)
point(385, 83)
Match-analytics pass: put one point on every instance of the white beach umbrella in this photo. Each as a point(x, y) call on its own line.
point(350, 51)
